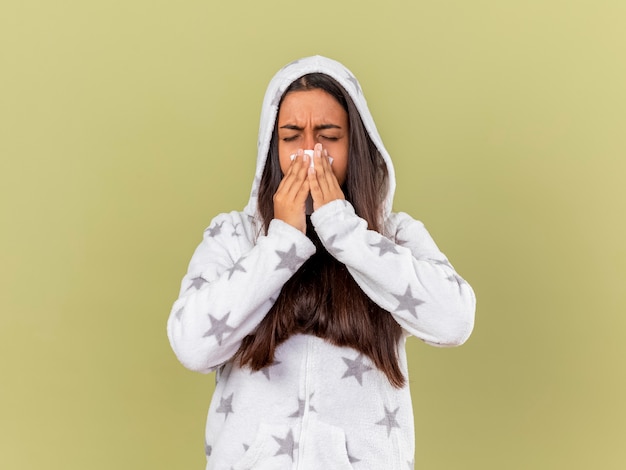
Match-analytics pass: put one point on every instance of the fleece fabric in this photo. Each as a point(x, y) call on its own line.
point(318, 406)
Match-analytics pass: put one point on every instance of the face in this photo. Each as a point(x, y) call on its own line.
point(309, 117)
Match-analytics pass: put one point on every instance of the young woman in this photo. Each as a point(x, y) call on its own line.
point(303, 314)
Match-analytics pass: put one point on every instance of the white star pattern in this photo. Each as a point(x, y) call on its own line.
point(456, 278)
point(356, 368)
point(389, 420)
point(235, 231)
point(197, 282)
point(287, 445)
point(385, 246)
point(236, 267)
point(289, 259)
point(215, 230)
point(226, 406)
point(407, 302)
point(218, 328)
point(440, 262)
point(266, 369)
point(302, 407)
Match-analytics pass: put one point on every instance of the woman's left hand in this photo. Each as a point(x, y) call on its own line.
point(322, 181)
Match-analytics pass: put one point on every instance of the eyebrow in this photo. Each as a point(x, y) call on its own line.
point(321, 127)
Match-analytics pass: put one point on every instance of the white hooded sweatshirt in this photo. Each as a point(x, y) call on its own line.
point(318, 406)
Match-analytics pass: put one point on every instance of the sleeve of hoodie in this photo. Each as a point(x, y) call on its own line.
point(231, 284)
point(406, 275)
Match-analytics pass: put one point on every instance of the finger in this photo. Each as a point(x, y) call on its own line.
point(329, 174)
point(318, 165)
point(296, 173)
point(300, 172)
point(303, 192)
point(325, 175)
point(295, 165)
point(296, 161)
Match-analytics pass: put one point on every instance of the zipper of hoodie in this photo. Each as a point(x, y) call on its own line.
point(305, 412)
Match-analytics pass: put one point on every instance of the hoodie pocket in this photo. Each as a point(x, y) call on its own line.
point(273, 447)
point(325, 446)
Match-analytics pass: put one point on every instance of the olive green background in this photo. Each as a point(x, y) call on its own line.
point(125, 126)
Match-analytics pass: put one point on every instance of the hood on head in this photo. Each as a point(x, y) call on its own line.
point(273, 95)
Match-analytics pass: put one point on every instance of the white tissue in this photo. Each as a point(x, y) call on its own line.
point(310, 154)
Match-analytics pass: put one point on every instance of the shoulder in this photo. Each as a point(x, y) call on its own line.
point(225, 239)
point(232, 226)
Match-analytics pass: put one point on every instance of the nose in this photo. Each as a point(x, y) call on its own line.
point(309, 141)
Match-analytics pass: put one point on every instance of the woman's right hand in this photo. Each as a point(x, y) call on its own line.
point(290, 197)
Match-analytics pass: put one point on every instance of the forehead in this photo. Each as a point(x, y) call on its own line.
point(308, 105)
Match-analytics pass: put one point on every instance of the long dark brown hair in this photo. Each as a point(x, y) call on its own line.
point(322, 298)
